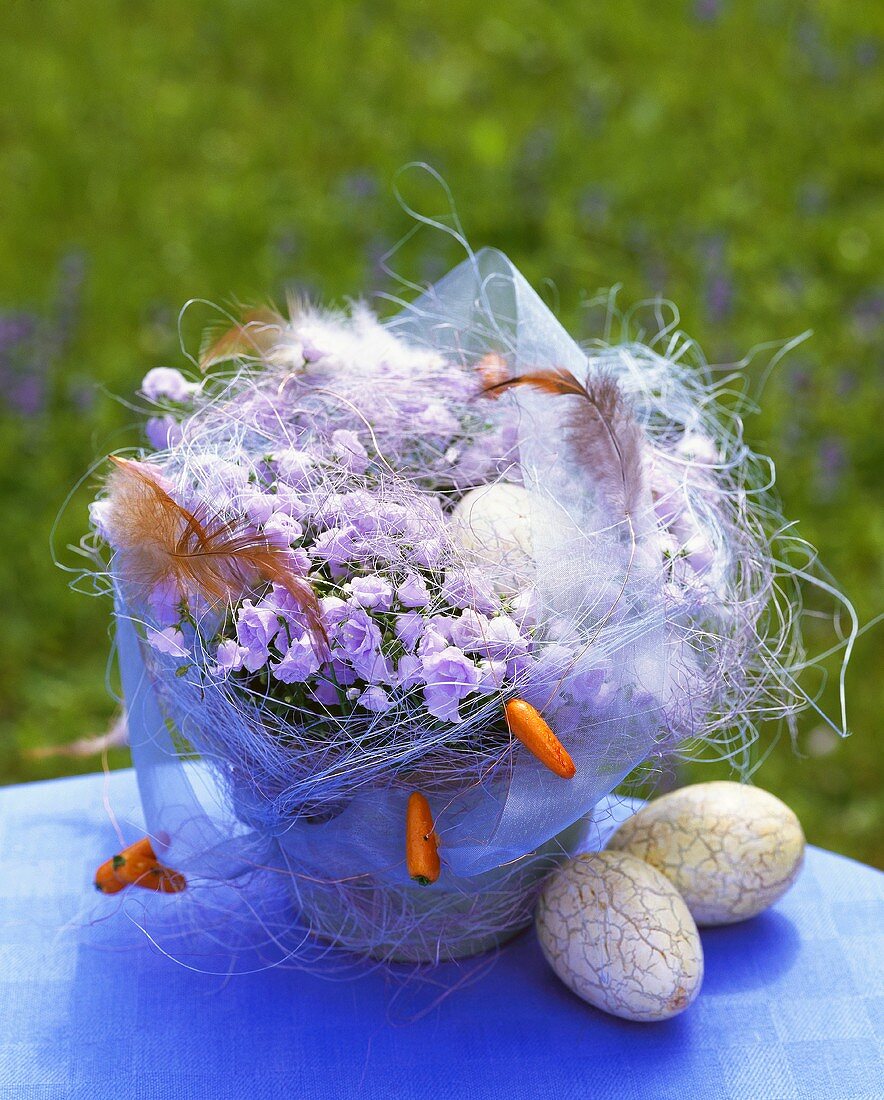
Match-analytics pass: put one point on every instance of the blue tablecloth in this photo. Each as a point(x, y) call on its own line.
point(792, 1004)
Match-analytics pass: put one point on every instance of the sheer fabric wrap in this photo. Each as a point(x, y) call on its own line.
point(209, 773)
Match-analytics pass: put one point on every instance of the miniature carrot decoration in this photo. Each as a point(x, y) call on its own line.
point(137, 865)
point(527, 724)
point(421, 844)
point(106, 881)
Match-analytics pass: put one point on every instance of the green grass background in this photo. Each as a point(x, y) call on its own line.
point(724, 154)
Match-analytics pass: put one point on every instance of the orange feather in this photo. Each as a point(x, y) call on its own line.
point(256, 334)
point(555, 381)
point(201, 552)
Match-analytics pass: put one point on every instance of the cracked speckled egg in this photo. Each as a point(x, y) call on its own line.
point(618, 934)
point(729, 849)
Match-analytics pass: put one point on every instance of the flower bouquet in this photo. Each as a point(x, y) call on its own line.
point(398, 603)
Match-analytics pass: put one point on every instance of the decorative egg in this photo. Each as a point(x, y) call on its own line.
point(729, 849)
point(493, 524)
point(618, 934)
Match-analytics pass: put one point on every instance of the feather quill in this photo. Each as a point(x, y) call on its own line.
point(602, 429)
point(202, 553)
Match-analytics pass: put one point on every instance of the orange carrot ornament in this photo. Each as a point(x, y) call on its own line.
point(527, 724)
point(137, 865)
point(106, 881)
point(421, 844)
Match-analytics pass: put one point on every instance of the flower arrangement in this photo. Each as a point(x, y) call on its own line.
point(398, 603)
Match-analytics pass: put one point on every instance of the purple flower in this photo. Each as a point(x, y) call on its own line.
point(588, 687)
point(357, 640)
point(337, 546)
point(436, 635)
point(221, 481)
point(517, 664)
point(503, 640)
point(412, 592)
point(259, 507)
point(669, 501)
point(409, 671)
point(467, 588)
point(492, 673)
point(165, 382)
point(358, 508)
point(449, 676)
point(165, 602)
point(375, 699)
point(325, 691)
point(409, 628)
point(474, 463)
point(428, 552)
point(524, 609)
point(162, 432)
point(347, 446)
point(468, 630)
point(228, 658)
point(342, 674)
point(298, 662)
point(256, 628)
point(295, 467)
point(290, 502)
point(170, 640)
point(497, 638)
point(699, 553)
point(372, 592)
point(332, 677)
point(282, 530)
point(436, 419)
point(298, 560)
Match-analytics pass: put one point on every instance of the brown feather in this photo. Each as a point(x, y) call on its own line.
point(201, 552)
point(256, 334)
point(555, 381)
point(602, 429)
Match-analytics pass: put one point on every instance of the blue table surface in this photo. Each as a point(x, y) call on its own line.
point(792, 1004)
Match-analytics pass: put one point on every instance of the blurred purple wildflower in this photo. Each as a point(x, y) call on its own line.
point(832, 463)
point(162, 432)
point(31, 344)
point(719, 285)
point(166, 383)
point(707, 11)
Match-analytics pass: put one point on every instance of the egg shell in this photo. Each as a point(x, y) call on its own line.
point(729, 849)
point(618, 934)
point(493, 525)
